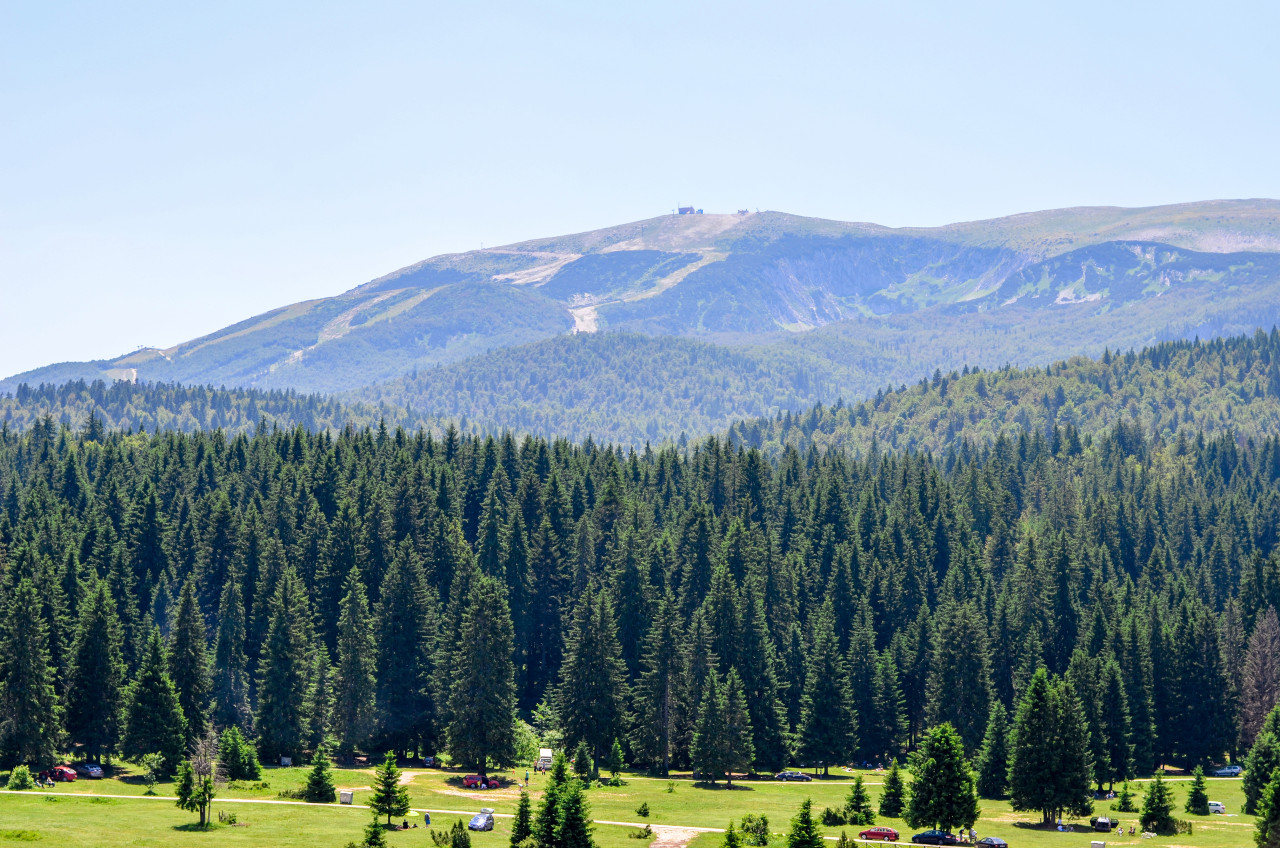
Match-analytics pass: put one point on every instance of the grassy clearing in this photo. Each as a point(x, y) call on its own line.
point(74, 819)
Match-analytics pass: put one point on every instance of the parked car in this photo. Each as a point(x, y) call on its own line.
point(935, 837)
point(1228, 771)
point(992, 842)
point(888, 834)
point(1102, 824)
point(429, 762)
point(479, 781)
point(792, 775)
point(63, 773)
point(90, 770)
point(1218, 807)
point(482, 820)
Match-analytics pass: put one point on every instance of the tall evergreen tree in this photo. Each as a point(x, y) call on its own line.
point(389, 797)
point(942, 792)
point(1261, 683)
point(656, 694)
point(481, 730)
point(993, 759)
point(354, 687)
point(591, 699)
point(1049, 765)
point(95, 687)
point(230, 663)
point(1267, 829)
point(893, 798)
point(284, 673)
point(30, 713)
point(960, 673)
point(154, 721)
point(828, 724)
point(1263, 758)
point(189, 663)
point(404, 648)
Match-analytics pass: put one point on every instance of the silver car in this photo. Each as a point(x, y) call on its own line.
point(482, 820)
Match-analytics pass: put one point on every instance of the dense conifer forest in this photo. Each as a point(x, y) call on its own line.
point(386, 589)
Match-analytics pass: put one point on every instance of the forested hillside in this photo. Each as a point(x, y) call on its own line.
point(371, 584)
point(1212, 386)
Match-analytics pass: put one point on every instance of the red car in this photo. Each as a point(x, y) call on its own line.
point(63, 773)
point(479, 781)
point(887, 834)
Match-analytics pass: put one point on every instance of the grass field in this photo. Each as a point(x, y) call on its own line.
point(70, 816)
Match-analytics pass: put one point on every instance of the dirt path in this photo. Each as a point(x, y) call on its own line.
point(673, 837)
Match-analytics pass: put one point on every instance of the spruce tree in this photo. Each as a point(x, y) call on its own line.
point(1033, 762)
point(283, 674)
point(993, 759)
point(230, 664)
point(522, 824)
point(548, 816)
point(656, 693)
point(573, 822)
point(238, 756)
point(804, 833)
point(1116, 748)
point(828, 725)
point(709, 751)
point(1260, 690)
point(481, 731)
point(189, 663)
point(942, 792)
point(893, 798)
point(758, 667)
point(1157, 808)
point(591, 698)
point(389, 798)
point(1267, 829)
point(354, 685)
point(857, 804)
point(886, 728)
point(739, 747)
point(960, 673)
point(95, 687)
point(154, 721)
point(1197, 796)
point(30, 713)
point(1263, 758)
point(320, 788)
point(405, 643)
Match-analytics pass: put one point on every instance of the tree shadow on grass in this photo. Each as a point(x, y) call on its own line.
point(703, 784)
point(196, 827)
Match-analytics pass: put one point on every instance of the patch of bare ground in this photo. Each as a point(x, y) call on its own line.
point(671, 837)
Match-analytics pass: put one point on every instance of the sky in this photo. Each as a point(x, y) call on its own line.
point(168, 168)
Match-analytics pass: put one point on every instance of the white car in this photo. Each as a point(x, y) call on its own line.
point(1217, 807)
point(1228, 771)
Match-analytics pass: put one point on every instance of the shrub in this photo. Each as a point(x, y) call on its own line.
point(832, 818)
point(20, 778)
point(643, 810)
point(645, 832)
point(455, 837)
point(755, 829)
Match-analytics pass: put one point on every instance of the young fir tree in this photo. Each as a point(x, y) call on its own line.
point(732, 838)
point(1157, 808)
point(389, 797)
point(522, 824)
point(193, 792)
point(95, 686)
point(1124, 799)
point(582, 760)
point(320, 788)
point(354, 685)
point(481, 731)
point(1197, 796)
point(616, 757)
point(993, 759)
point(857, 805)
point(189, 662)
point(573, 818)
point(31, 729)
point(1263, 758)
point(154, 721)
point(804, 832)
point(591, 699)
point(230, 664)
point(284, 673)
point(942, 793)
point(828, 725)
point(548, 815)
point(1267, 829)
point(893, 798)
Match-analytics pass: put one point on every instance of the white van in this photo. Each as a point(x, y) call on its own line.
point(1217, 807)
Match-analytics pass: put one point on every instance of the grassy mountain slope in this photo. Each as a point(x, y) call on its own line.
point(749, 275)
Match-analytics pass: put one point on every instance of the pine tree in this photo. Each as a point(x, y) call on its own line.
point(30, 713)
point(893, 798)
point(320, 788)
point(354, 685)
point(886, 727)
point(283, 674)
point(238, 756)
point(154, 721)
point(655, 694)
point(95, 687)
point(573, 818)
point(960, 673)
point(389, 798)
point(591, 698)
point(804, 833)
point(522, 824)
point(993, 759)
point(404, 648)
point(942, 792)
point(1157, 808)
point(739, 747)
point(828, 725)
point(1197, 796)
point(1116, 748)
point(189, 663)
point(481, 731)
point(230, 675)
point(1048, 762)
point(857, 805)
point(547, 819)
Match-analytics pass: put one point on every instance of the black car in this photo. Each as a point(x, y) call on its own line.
point(935, 837)
point(992, 842)
point(792, 775)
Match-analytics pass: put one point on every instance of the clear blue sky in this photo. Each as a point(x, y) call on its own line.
point(169, 168)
